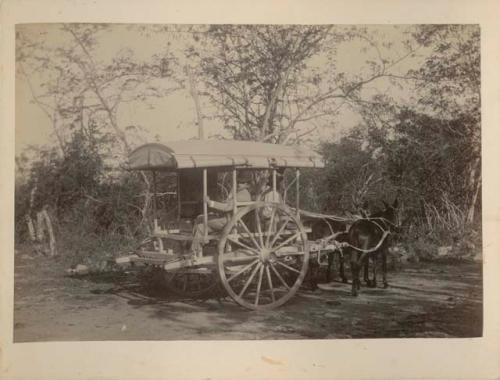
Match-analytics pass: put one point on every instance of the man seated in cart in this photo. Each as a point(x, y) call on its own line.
point(217, 222)
point(272, 194)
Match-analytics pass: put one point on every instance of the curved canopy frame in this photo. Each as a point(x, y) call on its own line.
point(219, 153)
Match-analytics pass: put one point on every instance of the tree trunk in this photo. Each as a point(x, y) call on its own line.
point(90, 71)
point(145, 210)
point(473, 190)
point(50, 232)
point(196, 99)
point(31, 228)
point(271, 106)
point(45, 240)
point(29, 220)
point(472, 206)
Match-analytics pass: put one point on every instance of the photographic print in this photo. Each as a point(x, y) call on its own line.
point(247, 182)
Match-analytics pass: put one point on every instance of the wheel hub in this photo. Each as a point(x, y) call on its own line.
point(265, 255)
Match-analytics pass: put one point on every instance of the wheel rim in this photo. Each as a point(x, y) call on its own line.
point(262, 266)
point(183, 282)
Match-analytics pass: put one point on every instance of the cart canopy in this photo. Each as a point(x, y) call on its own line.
point(217, 153)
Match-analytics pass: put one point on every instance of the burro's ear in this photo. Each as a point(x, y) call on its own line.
point(396, 203)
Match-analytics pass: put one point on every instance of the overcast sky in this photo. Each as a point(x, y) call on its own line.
point(173, 117)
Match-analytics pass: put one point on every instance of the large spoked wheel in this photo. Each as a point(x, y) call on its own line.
point(190, 283)
point(263, 256)
point(182, 282)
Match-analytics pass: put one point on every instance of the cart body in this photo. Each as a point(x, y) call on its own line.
point(259, 260)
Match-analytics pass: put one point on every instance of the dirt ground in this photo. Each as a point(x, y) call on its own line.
point(423, 300)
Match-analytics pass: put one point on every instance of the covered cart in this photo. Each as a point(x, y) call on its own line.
point(261, 255)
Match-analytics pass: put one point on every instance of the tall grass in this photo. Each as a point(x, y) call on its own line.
point(446, 226)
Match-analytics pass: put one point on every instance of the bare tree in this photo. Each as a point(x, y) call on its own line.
point(272, 83)
point(76, 88)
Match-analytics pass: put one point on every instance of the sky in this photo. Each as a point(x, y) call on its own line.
point(173, 117)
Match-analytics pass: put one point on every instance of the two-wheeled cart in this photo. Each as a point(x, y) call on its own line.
point(260, 261)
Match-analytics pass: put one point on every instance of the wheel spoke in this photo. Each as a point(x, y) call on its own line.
point(250, 234)
point(294, 236)
point(270, 283)
point(265, 268)
point(276, 237)
point(279, 276)
point(271, 222)
point(259, 227)
point(287, 267)
point(249, 280)
point(242, 245)
point(261, 272)
point(246, 267)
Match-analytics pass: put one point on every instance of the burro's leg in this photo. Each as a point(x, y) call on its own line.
point(355, 273)
point(384, 267)
point(374, 257)
point(341, 266)
point(313, 273)
point(330, 264)
point(366, 264)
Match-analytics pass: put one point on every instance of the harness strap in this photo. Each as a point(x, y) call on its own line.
point(382, 239)
point(354, 218)
point(385, 220)
point(376, 220)
point(318, 215)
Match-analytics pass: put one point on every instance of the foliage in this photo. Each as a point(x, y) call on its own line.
point(267, 83)
point(450, 87)
point(278, 84)
point(83, 200)
point(450, 77)
point(432, 157)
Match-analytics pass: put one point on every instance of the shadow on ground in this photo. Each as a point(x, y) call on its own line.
point(423, 300)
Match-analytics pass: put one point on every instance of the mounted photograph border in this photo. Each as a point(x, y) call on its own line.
point(476, 358)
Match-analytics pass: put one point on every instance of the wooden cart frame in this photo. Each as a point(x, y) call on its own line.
point(260, 262)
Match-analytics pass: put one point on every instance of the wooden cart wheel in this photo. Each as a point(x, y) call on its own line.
point(183, 282)
point(262, 264)
point(189, 282)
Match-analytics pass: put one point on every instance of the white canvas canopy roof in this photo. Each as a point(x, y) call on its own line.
point(216, 153)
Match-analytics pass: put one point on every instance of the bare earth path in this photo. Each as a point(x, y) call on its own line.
point(423, 300)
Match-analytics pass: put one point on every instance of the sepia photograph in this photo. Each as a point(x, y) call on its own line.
point(247, 182)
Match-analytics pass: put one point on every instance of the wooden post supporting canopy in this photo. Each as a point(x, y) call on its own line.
point(155, 218)
point(297, 189)
point(205, 210)
point(178, 198)
point(274, 180)
point(235, 201)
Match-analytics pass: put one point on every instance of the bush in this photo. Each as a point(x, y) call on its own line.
point(79, 246)
point(93, 213)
